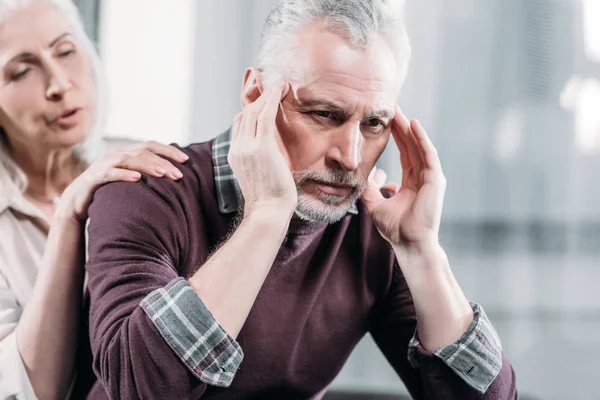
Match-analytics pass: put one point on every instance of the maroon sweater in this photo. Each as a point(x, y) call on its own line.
point(329, 286)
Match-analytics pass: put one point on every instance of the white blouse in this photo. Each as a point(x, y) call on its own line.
point(23, 233)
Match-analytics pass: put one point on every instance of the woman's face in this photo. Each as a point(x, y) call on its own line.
point(47, 83)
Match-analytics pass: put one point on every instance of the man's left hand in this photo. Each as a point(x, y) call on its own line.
point(410, 221)
point(411, 218)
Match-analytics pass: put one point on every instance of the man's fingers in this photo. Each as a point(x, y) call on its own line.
point(287, 88)
point(250, 114)
point(378, 180)
point(400, 128)
point(267, 116)
point(404, 158)
point(405, 135)
point(430, 154)
point(235, 128)
point(372, 196)
point(414, 152)
point(392, 187)
point(379, 177)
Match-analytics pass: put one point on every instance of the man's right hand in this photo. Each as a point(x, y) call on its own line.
point(260, 164)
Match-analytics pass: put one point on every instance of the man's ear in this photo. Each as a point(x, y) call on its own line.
point(252, 86)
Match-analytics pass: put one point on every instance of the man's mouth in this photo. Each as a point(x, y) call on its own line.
point(334, 189)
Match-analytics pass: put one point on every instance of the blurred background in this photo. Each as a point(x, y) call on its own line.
point(509, 91)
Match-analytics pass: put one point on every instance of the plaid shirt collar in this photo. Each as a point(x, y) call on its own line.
point(229, 193)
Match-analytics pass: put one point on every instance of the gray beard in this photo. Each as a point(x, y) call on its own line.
point(325, 208)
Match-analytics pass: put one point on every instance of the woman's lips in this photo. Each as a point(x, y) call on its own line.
point(69, 118)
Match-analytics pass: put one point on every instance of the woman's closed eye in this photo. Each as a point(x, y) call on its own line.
point(20, 74)
point(66, 53)
point(65, 50)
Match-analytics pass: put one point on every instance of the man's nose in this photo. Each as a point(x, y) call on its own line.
point(346, 147)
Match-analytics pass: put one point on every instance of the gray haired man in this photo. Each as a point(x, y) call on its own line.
point(256, 274)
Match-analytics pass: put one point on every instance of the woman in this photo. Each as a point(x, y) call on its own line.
point(50, 119)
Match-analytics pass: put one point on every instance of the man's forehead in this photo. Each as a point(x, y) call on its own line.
point(373, 67)
point(345, 77)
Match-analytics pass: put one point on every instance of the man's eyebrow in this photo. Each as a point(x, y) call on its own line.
point(329, 105)
point(324, 104)
point(384, 113)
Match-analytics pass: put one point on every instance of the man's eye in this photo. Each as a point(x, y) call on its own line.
point(374, 123)
point(323, 114)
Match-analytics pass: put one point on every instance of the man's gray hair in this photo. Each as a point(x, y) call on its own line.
point(91, 147)
point(357, 20)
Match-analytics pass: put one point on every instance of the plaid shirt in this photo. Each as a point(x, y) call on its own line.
point(214, 357)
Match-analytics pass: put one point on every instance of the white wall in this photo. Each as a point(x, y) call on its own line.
point(227, 36)
point(147, 47)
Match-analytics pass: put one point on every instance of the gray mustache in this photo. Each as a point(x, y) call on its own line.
point(336, 177)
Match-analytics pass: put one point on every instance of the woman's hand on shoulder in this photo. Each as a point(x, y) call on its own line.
point(122, 165)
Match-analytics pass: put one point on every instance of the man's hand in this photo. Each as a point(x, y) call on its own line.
point(411, 218)
point(259, 162)
point(410, 221)
point(230, 280)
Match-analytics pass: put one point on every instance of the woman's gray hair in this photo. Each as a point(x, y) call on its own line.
point(358, 20)
point(91, 147)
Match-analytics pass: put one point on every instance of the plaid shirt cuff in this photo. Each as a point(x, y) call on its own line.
point(193, 333)
point(476, 357)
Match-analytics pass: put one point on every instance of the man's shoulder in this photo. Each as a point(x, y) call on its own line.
point(197, 182)
point(201, 155)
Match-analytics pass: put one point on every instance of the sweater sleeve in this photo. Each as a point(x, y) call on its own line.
point(474, 367)
point(150, 334)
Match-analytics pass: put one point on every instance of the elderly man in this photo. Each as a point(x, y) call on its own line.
point(257, 274)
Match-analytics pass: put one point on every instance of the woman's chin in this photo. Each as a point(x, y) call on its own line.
point(67, 138)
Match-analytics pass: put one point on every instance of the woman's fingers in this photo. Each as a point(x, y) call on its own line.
point(161, 165)
point(121, 174)
point(147, 161)
point(126, 166)
point(168, 151)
